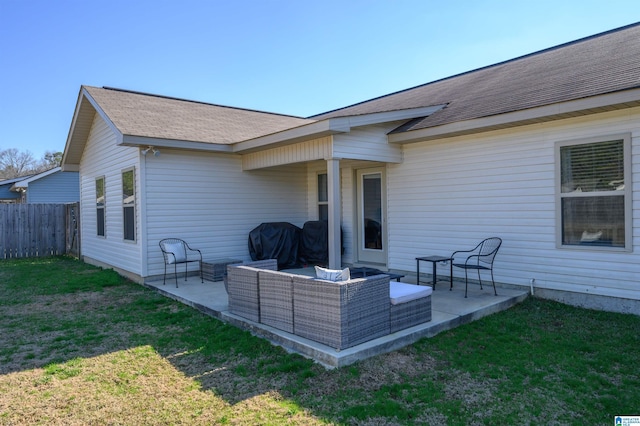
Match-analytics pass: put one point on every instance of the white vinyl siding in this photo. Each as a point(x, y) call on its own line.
point(368, 143)
point(209, 201)
point(103, 158)
point(446, 195)
point(451, 193)
point(316, 149)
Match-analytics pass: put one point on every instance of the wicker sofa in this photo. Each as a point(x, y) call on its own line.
point(242, 287)
point(338, 314)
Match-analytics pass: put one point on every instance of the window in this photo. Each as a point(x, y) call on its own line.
point(594, 193)
point(100, 206)
point(323, 197)
point(128, 205)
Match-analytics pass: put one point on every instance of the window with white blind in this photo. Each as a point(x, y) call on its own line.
point(594, 193)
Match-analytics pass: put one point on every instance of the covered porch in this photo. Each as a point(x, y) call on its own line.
point(346, 159)
point(350, 196)
point(449, 310)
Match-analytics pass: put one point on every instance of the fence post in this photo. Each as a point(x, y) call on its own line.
point(72, 218)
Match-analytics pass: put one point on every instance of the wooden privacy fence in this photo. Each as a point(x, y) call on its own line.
point(33, 230)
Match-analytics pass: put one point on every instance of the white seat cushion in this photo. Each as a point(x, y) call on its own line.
point(178, 251)
point(403, 292)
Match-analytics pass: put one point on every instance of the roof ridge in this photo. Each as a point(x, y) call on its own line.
point(135, 92)
point(538, 52)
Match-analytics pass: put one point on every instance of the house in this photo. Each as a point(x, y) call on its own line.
point(8, 196)
point(50, 186)
point(542, 151)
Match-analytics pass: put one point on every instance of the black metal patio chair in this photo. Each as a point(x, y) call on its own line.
point(480, 258)
point(177, 251)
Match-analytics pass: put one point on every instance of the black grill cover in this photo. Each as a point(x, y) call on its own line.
point(275, 240)
point(314, 243)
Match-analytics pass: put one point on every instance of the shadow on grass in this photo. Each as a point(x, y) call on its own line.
point(67, 321)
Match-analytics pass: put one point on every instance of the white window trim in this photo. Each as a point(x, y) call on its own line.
point(627, 193)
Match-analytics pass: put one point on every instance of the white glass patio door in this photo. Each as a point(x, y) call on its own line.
point(372, 223)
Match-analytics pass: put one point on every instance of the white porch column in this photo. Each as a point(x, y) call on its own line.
point(335, 212)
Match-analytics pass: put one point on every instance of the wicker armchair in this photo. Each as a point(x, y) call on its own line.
point(175, 251)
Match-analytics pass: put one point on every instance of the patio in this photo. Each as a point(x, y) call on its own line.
point(449, 310)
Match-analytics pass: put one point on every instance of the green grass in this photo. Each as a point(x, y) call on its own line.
point(82, 345)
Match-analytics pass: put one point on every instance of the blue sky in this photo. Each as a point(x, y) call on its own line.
point(288, 56)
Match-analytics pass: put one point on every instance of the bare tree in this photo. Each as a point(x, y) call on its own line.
point(14, 163)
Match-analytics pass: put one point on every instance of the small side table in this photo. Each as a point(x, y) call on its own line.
point(434, 261)
point(216, 269)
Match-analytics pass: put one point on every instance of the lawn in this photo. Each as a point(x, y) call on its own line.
point(81, 345)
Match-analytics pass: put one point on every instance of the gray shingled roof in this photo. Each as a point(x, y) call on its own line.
point(139, 114)
point(596, 65)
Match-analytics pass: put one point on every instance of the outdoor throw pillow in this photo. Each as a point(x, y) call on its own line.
point(178, 251)
point(333, 274)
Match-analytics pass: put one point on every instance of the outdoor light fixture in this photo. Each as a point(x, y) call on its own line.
point(155, 151)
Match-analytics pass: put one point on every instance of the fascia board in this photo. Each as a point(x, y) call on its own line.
point(84, 96)
point(294, 135)
point(143, 141)
point(76, 114)
point(389, 116)
point(103, 115)
point(524, 116)
point(331, 126)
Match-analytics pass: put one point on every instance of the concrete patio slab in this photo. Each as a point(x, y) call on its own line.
point(450, 309)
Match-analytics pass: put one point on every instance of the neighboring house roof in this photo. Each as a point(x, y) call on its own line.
point(23, 182)
point(13, 180)
point(600, 64)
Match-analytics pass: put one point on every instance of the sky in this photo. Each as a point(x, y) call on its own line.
point(291, 57)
